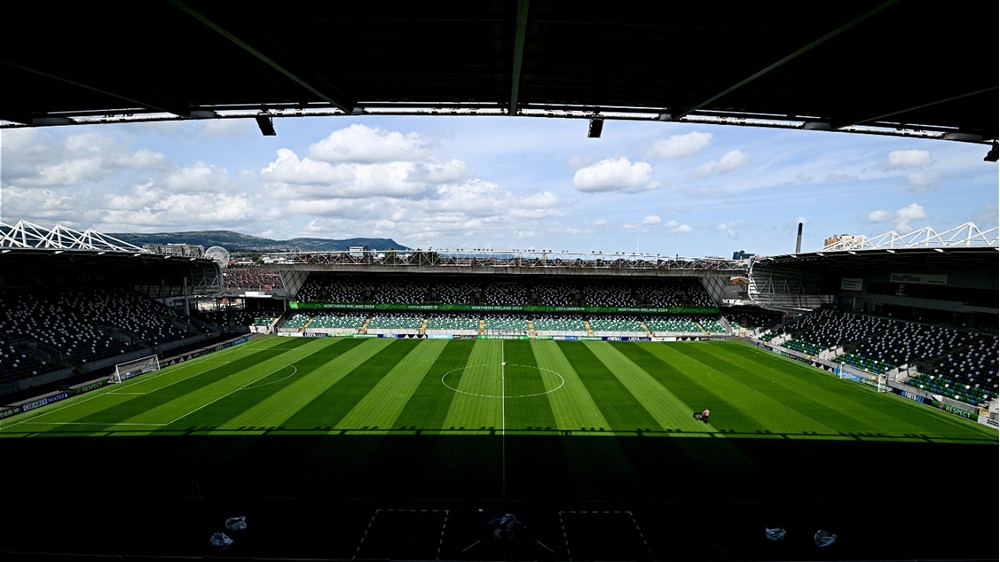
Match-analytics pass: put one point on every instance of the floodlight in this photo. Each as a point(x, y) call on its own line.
point(596, 126)
point(994, 152)
point(265, 124)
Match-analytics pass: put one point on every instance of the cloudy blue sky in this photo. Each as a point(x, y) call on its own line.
point(499, 183)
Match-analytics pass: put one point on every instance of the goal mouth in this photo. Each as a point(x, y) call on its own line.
point(134, 368)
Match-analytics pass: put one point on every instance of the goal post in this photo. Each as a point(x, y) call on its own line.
point(134, 368)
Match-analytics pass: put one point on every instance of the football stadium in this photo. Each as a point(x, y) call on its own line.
point(839, 403)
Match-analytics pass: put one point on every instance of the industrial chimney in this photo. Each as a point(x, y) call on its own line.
point(798, 240)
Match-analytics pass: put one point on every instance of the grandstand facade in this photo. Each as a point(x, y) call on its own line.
point(73, 304)
point(918, 312)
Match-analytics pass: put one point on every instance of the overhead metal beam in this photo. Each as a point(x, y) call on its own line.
point(326, 92)
point(147, 100)
point(520, 32)
point(886, 113)
point(681, 112)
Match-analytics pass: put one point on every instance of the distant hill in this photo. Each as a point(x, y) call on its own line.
point(236, 242)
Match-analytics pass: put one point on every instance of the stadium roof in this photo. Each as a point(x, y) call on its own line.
point(30, 251)
point(834, 263)
point(919, 67)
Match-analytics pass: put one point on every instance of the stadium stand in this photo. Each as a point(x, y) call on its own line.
point(559, 325)
point(252, 278)
point(460, 324)
point(350, 321)
point(389, 322)
point(946, 360)
point(505, 323)
point(617, 325)
point(47, 329)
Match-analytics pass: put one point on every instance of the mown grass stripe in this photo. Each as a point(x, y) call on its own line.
point(77, 407)
point(691, 381)
point(670, 412)
point(382, 405)
point(784, 396)
point(281, 404)
point(478, 404)
point(328, 408)
point(618, 406)
point(525, 388)
point(428, 406)
point(255, 391)
point(573, 408)
point(169, 390)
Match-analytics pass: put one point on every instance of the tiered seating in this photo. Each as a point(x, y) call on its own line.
point(338, 320)
point(607, 294)
point(505, 293)
point(712, 326)
point(970, 371)
point(616, 324)
point(335, 289)
point(752, 320)
point(221, 317)
point(672, 293)
point(554, 293)
point(252, 278)
point(265, 320)
point(151, 321)
point(453, 293)
point(454, 323)
point(860, 362)
point(401, 291)
point(939, 384)
point(955, 358)
point(803, 346)
point(505, 323)
point(395, 322)
point(297, 320)
point(16, 364)
point(80, 325)
point(674, 324)
point(559, 324)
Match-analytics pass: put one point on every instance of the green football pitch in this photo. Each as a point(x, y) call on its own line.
point(405, 448)
point(303, 386)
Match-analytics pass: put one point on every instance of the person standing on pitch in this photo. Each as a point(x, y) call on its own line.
point(702, 416)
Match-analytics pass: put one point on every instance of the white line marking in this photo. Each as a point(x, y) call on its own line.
point(118, 388)
point(503, 421)
point(94, 423)
point(247, 385)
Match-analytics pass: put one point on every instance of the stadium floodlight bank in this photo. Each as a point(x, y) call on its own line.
point(129, 369)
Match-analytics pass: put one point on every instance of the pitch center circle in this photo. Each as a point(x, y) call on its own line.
point(562, 381)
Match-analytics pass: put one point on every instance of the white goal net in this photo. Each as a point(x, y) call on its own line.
point(129, 369)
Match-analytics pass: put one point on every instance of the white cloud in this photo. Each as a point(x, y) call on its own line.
point(677, 228)
point(923, 180)
point(900, 218)
point(651, 219)
point(614, 174)
point(437, 172)
point(288, 177)
point(67, 173)
point(732, 160)
point(142, 159)
point(730, 228)
point(907, 159)
point(837, 178)
point(679, 146)
point(365, 145)
point(200, 177)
